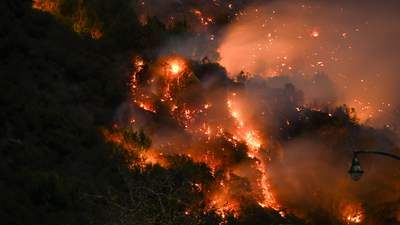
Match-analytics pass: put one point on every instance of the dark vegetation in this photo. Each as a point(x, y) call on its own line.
point(59, 88)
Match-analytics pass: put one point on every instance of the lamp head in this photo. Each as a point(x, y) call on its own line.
point(355, 169)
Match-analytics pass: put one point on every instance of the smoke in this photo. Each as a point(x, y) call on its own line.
point(200, 14)
point(354, 43)
point(312, 176)
point(195, 48)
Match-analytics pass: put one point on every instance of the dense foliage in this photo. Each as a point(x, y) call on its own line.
point(57, 90)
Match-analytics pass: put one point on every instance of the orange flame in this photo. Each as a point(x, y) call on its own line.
point(253, 140)
point(175, 68)
point(176, 65)
point(353, 214)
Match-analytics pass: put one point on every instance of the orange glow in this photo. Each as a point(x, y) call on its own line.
point(95, 33)
point(80, 25)
point(355, 219)
point(44, 5)
point(112, 136)
point(353, 214)
point(253, 140)
point(152, 157)
point(144, 157)
point(314, 34)
point(176, 65)
point(197, 12)
point(175, 68)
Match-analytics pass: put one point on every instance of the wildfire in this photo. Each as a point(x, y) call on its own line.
point(170, 78)
point(176, 65)
point(170, 70)
point(145, 156)
point(353, 214)
point(175, 68)
point(139, 66)
point(253, 140)
point(145, 105)
point(355, 219)
point(152, 157)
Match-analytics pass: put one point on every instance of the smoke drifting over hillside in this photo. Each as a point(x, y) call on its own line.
point(354, 43)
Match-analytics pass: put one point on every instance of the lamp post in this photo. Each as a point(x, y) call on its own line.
point(355, 169)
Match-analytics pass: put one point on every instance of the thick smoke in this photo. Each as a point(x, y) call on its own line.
point(354, 43)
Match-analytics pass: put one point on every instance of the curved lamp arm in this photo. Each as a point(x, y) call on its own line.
point(355, 151)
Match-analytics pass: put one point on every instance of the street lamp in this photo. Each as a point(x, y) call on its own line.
point(355, 169)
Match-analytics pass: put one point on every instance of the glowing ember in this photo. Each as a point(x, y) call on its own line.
point(314, 34)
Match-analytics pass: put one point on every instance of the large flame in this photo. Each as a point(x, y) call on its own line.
point(168, 81)
point(251, 137)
